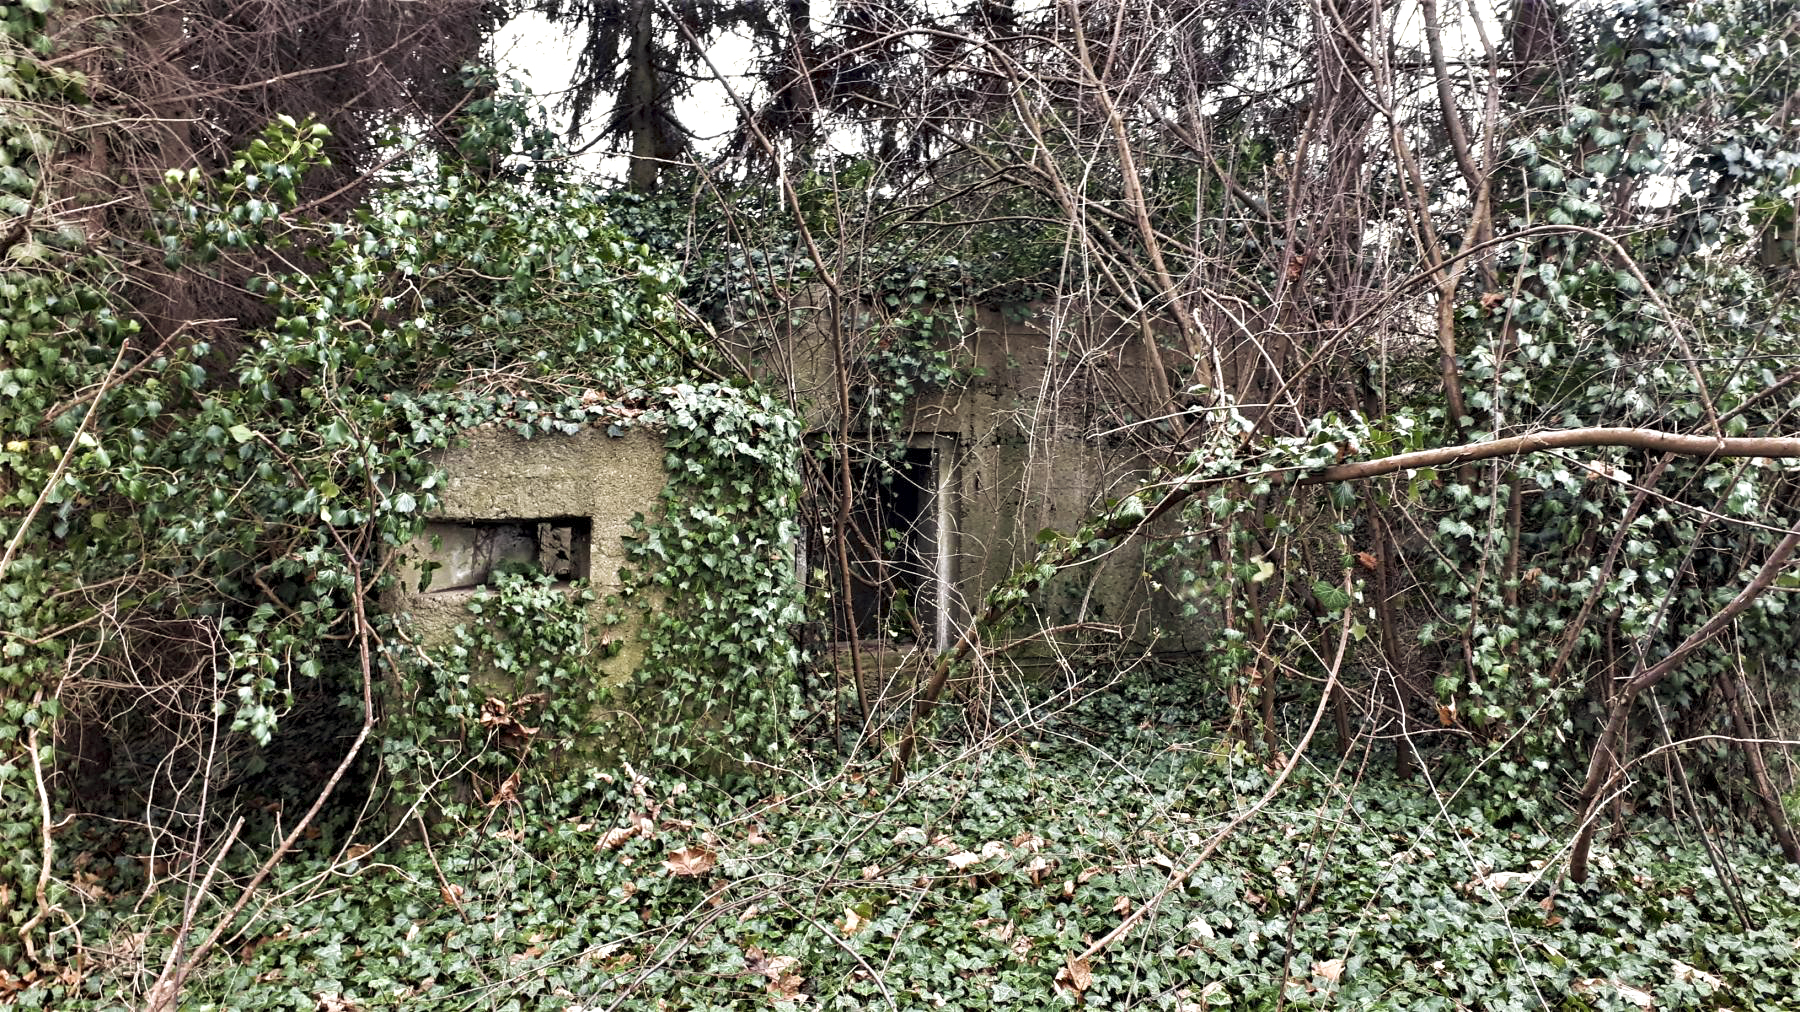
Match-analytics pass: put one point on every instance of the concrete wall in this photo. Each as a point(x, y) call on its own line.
point(496, 479)
point(1029, 444)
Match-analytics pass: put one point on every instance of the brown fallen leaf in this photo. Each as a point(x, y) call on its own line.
point(853, 922)
point(452, 894)
point(786, 987)
point(784, 982)
point(503, 717)
point(1329, 969)
point(691, 862)
point(1076, 973)
point(615, 838)
point(962, 860)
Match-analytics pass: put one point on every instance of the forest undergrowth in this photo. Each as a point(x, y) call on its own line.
point(984, 882)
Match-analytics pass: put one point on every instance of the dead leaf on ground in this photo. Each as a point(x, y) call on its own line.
point(1329, 969)
point(1367, 560)
point(691, 862)
point(1122, 905)
point(784, 982)
point(853, 921)
point(336, 1003)
point(1076, 973)
point(786, 986)
point(962, 860)
point(638, 824)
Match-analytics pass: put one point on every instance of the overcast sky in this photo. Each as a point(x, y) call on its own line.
point(542, 55)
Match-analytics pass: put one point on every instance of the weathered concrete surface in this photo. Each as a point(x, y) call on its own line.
point(1032, 443)
point(499, 484)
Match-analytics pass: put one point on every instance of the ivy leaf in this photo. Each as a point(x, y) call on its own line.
point(241, 433)
point(1332, 598)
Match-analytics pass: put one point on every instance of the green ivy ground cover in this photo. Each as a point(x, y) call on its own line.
point(975, 885)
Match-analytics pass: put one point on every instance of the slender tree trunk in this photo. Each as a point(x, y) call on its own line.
point(641, 98)
point(1759, 771)
point(1605, 761)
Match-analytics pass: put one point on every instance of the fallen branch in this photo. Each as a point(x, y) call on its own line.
point(1562, 439)
point(1030, 578)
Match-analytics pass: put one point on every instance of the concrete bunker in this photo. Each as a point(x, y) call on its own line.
point(557, 504)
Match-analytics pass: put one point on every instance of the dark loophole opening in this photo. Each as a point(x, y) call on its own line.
point(461, 554)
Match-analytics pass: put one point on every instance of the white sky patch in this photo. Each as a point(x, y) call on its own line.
point(542, 55)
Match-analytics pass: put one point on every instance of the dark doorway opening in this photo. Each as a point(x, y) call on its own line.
point(892, 548)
